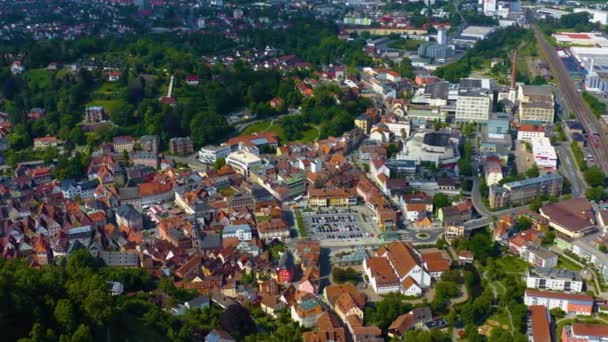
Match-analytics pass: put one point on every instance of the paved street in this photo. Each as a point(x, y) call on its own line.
point(569, 169)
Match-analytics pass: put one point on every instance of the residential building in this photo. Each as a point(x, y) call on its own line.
point(273, 229)
point(582, 332)
point(522, 192)
point(475, 100)
point(498, 125)
point(210, 154)
point(71, 189)
point(339, 197)
point(45, 142)
point(586, 250)
point(554, 279)
point(240, 231)
point(456, 214)
point(128, 216)
point(217, 335)
point(181, 145)
point(145, 158)
point(94, 114)
point(123, 144)
point(536, 104)
point(526, 132)
point(539, 256)
point(149, 143)
point(493, 171)
point(306, 311)
point(570, 303)
point(119, 259)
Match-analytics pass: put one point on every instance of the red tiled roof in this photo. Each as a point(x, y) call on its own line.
point(558, 295)
point(598, 330)
point(540, 323)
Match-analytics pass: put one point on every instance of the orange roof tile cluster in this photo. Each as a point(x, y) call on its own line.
point(435, 262)
point(332, 292)
point(402, 257)
point(154, 188)
point(381, 270)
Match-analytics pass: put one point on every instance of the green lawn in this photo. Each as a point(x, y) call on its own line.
point(108, 105)
point(512, 264)
point(567, 264)
point(109, 89)
point(310, 133)
point(500, 317)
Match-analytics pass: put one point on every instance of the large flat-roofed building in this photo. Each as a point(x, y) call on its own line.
point(433, 94)
point(435, 147)
point(597, 16)
point(473, 34)
point(243, 161)
point(536, 104)
point(544, 154)
point(210, 154)
point(554, 279)
point(573, 218)
point(581, 38)
point(475, 100)
point(524, 191)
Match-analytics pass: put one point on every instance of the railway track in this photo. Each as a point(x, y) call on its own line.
point(575, 102)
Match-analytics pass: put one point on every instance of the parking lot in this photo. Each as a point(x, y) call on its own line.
point(339, 225)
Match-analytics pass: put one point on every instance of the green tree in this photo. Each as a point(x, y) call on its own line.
point(344, 275)
point(219, 163)
point(594, 176)
point(532, 172)
point(440, 200)
point(595, 194)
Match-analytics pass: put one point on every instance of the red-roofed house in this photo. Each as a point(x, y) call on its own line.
point(580, 332)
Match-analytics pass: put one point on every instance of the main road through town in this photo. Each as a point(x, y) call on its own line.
point(575, 102)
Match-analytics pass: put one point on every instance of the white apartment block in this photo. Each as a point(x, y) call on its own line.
point(243, 161)
point(554, 279)
point(475, 100)
point(210, 154)
point(527, 132)
point(544, 153)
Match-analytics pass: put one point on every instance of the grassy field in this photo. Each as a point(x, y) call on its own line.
point(109, 89)
point(567, 264)
point(108, 105)
point(499, 320)
point(309, 134)
point(512, 264)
